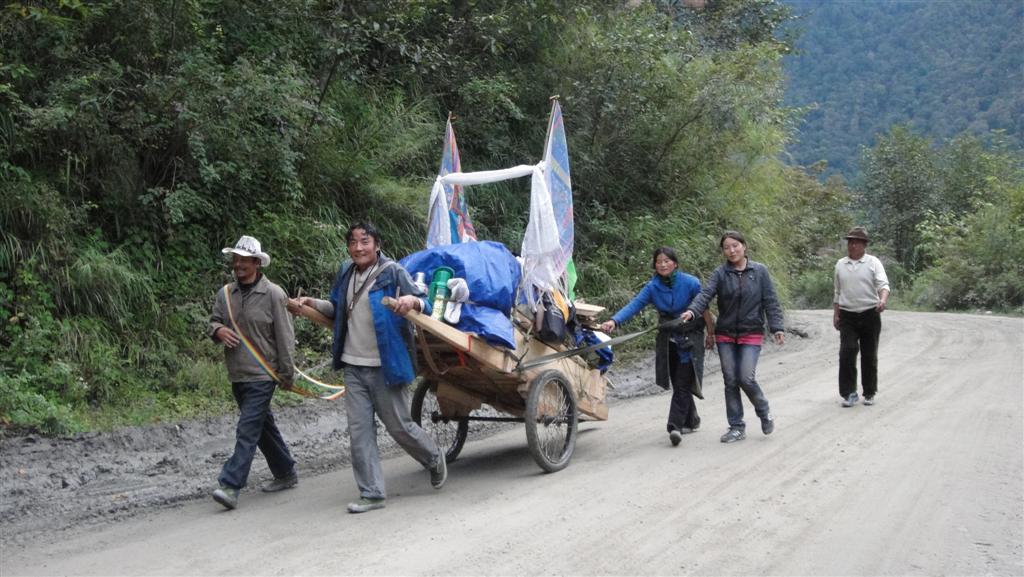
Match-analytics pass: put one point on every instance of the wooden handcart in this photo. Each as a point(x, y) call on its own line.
point(461, 373)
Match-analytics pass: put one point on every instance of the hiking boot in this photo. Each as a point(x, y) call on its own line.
point(226, 496)
point(439, 472)
point(675, 436)
point(280, 484)
point(365, 504)
point(851, 400)
point(869, 400)
point(733, 435)
point(768, 424)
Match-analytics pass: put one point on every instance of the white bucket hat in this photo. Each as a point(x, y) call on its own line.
point(248, 246)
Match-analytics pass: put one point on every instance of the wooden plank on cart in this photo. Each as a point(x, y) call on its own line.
point(455, 401)
point(470, 344)
point(587, 312)
point(587, 383)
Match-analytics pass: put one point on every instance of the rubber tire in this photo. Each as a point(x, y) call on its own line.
point(451, 452)
point(533, 428)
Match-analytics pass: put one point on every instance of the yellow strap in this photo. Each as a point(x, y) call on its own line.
point(340, 388)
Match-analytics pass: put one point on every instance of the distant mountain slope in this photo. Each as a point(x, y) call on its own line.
point(943, 66)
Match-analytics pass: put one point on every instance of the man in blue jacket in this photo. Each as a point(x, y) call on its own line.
point(375, 347)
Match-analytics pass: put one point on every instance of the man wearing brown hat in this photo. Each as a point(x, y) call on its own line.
point(861, 290)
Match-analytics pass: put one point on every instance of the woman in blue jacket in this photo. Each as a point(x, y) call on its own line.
point(679, 351)
point(745, 297)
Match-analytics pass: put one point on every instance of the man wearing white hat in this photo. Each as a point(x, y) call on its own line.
point(861, 290)
point(251, 319)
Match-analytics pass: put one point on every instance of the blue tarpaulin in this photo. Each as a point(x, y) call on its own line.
point(492, 273)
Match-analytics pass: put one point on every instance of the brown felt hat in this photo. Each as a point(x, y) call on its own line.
point(858, 233)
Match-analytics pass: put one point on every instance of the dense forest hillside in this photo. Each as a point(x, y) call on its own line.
point(942, 67)
point(139, 137)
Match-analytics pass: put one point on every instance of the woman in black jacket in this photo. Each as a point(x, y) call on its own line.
point(746, 297)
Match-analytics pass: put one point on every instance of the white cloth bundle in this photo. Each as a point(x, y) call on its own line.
point(458, 293)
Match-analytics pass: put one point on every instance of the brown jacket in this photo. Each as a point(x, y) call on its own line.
point(263, 319)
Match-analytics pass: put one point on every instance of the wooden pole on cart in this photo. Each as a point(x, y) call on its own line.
point(312, 314)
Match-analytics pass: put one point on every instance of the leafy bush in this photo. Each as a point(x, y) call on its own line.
point(982, 266)
point(813, 289)
point(22, 407)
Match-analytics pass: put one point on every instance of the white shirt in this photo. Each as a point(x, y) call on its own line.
point(858, 282)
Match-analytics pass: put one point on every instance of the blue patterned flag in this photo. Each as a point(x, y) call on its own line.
point(556, 174)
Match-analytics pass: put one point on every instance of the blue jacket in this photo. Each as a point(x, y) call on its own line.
point(744, 300)
point(671, 302)
point(394, 334)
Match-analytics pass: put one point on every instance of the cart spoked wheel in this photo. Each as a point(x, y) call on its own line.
point(448, 433)
point(551, 420)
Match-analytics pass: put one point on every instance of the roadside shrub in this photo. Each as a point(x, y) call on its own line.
point(105, 284)
point(813, 289)
point(22, 408)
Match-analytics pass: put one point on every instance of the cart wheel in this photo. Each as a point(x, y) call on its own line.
point(551, 420)
point(449, 434)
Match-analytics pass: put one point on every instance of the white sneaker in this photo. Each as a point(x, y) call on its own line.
point(851, 400)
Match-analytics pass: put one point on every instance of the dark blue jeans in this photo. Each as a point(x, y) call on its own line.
point(256, 428)
point(739, 366)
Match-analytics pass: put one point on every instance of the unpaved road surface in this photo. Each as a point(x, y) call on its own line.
point(929, 481)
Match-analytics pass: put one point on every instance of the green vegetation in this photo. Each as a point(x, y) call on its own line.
point(139, 137)
point(941, 67)
point(952, 216)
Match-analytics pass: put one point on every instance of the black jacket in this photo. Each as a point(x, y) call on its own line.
point(745, 298)
point(689, 336)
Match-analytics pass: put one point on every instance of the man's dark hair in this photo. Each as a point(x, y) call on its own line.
point(368, 228)
point(733, 235)
point(664, 250)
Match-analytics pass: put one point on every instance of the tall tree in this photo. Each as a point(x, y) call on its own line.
point(901, 181)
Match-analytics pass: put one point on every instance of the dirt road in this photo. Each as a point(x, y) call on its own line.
point(928, 481)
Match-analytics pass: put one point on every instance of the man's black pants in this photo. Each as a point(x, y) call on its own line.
point(859, 332)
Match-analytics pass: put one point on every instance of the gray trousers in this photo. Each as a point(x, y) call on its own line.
point(366, 395)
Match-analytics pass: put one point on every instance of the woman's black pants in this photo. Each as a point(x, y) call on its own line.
point(682, 413)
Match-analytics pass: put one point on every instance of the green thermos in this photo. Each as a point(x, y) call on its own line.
point(438, 293)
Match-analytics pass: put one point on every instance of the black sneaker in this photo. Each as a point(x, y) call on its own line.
point(280, 484)
point(675, 436)
point(439, 472)
point(851, 400)
point(365, 504)
point(226, 496)
point(768, 424)
point(733, 435)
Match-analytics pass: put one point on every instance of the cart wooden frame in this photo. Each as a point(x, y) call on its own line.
point(461, 372)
